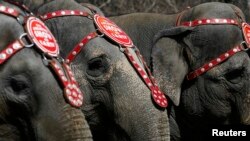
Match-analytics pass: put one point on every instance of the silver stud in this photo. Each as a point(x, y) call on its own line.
point(67, 66)
point(10, 10)
point(210, 64)
point(2, 56)
point(70, 86)
point(45, 16)
point(64, 78)
point(16, 46)
point(63, 12)
point(9, 51)
point(165, 101)
point(235, 50)
point(216, 20)
point(218, 59)
point(225, 21)
point(159, 97)
point(2, 8)
point(81, 44)
point(149, 84)
point(74, 94)
point(73, 78)
point(74, 52)
point(80, 97)
point(133, 62)
point(74, 86)
point(60, 72)
point(88, 37)
point(67, 60)
point(248, 34)
point(199, 21)
point(81, 13)
point(56, 66)
point(232, 21)
point(68, 92)
point(144, 76)
point(71, 98)
point(226, 54)
point(202, 69)
point(75, 102)
point(158, 101)
point(208, 21)
point(78, 90)
point(80, 103)
point(163, 96)
point(53, 14)
point(72, 12)
point(70, 72)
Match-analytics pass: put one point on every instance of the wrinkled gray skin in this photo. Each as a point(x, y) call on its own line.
point(221, 95)
point(118, 104)
point(32, 106)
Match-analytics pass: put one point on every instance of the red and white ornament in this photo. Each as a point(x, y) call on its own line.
point(41, 36)
point(111, 30)
point(72, 92)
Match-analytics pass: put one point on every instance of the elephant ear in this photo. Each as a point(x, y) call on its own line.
point(93, 8)
point(169, 62)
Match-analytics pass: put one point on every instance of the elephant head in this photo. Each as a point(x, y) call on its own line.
point(209, 64)
point(118, 103)
point(32, 105)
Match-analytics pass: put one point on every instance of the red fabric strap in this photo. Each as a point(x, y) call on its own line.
point(61, 13)
point(20, 5)
point(10, 50)
point(157, 95)
point(209, 21)
point(72, 93)
point(214, 62)
point(8, 11)
point(77, 49)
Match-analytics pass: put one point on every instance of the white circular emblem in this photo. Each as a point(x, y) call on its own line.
point(41, 36)
point(111, 30)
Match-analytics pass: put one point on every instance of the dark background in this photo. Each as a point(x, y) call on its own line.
point(119, 7)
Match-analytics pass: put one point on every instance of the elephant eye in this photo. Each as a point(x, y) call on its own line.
point(98, 66)
point(235, 76)
point(19, 84)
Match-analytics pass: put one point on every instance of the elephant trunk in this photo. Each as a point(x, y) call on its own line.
point(75, 127)
point(245, 112)
point(65, 123)
point(156, 128)
point(144, 121)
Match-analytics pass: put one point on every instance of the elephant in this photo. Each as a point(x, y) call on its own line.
point(220, 95)
point(33, 107)
point(118, 104)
